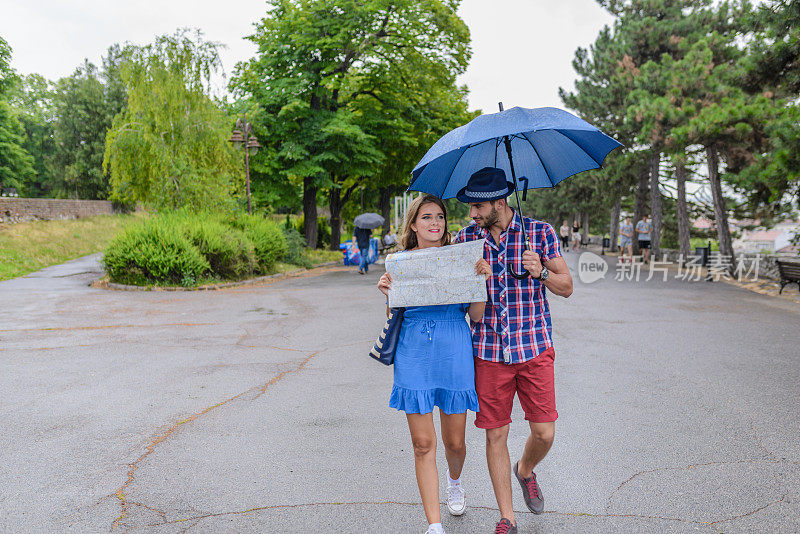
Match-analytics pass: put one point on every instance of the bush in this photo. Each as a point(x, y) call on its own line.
point(296, 245)
point(266, 236)
point(188, 249)
point(153, 252)
point(227, 250)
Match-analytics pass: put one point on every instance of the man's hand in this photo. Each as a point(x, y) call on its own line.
point(532, 262)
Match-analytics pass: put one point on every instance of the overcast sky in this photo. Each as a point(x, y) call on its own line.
point(522, 49)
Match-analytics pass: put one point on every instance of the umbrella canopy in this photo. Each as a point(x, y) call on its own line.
point(368, 221)
point(548, 145)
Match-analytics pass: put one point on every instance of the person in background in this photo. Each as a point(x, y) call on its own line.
point(390, 239)
point(576, 236)
point(626, 241)
point(644, 227)
point(564, 234)
point(361, 238)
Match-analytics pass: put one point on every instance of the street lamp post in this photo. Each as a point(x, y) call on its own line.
point(243, 135)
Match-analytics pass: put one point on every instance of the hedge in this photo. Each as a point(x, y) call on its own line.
point(179, 248)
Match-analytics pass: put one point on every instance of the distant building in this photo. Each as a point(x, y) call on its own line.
point(771, 240)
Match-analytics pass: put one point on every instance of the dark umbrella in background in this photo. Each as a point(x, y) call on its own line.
point(543, 145)
point(368, 221)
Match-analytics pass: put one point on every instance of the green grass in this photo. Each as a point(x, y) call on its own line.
point(28, 247)
point(702, 242)
point(322, 256)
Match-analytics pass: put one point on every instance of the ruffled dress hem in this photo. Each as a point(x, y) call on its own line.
point(424, 400)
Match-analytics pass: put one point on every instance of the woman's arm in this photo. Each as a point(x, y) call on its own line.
point(476, 310)
point(384, 285)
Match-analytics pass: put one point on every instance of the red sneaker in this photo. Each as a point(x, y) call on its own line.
point(505, 527)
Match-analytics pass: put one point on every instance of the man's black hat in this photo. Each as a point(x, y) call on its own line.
point(486, 184)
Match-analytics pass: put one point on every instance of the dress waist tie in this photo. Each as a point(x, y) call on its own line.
point(428, 327)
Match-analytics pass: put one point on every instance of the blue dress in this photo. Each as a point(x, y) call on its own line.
point(433, 363)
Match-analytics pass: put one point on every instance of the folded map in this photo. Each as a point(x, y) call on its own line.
point(437, 275)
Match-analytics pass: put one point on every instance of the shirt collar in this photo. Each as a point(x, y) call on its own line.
point(516, 221)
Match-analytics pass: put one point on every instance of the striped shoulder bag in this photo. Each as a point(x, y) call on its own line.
point(386, 345)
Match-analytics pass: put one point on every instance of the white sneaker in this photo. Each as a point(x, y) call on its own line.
point(456, 500)
point(432, 530)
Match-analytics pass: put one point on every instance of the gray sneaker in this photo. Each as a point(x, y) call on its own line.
point(531, 491)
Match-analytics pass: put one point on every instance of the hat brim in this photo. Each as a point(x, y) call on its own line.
point(466, 199)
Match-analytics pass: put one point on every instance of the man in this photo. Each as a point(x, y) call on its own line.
point(361, 237)
point(512, 343)
point(644, 227)
point(626, 242)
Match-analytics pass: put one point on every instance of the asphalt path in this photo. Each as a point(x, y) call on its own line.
point(257, 409)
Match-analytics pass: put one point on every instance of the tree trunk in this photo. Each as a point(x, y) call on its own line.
point(385, 204)
point(615, 224)
point(335, 205)
point(684, 245)
point(720, 212)
point(585, 228)
point(310, 211)
point(655, 206)
point(640, 207)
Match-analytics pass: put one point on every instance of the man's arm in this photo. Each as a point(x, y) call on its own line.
point(559, 281)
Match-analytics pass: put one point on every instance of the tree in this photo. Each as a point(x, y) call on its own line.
point(83, 113)
point(773, 62)
point(16, 165)
point(169, 148)
point(34, 105)
point(316, 57)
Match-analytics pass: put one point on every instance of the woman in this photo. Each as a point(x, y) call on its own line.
point(564, 234)
point(577, 240)
point(433, 366)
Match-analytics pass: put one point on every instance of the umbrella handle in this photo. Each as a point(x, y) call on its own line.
point(525, 273)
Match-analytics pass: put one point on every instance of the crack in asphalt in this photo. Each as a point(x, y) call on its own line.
point(103, 327)
point(257, 509)
point(748, 514)
point(692, 466)
point(120, 493)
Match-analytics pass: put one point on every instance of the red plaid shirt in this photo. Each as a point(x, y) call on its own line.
point(516, 324)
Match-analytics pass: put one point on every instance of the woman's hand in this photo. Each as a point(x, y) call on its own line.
point(385, 284)
point(482, 267)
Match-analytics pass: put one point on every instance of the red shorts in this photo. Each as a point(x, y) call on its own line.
point(533, 381)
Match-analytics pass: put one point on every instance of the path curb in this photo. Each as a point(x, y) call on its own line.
point(101, 284)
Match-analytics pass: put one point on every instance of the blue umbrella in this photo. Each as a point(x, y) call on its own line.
point(548, 145)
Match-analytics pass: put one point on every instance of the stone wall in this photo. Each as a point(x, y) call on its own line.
point(13, 210)
point(767, 268)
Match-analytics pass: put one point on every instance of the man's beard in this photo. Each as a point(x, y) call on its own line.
point(490, 220)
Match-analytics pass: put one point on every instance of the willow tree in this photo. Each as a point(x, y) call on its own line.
point(170, 147)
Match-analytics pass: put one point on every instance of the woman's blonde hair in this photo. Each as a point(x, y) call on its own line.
point(408, 237)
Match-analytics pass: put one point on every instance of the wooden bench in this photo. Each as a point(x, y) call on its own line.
point(790, 272)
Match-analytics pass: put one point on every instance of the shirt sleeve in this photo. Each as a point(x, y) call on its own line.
point(460, 236)
point(551, 247)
